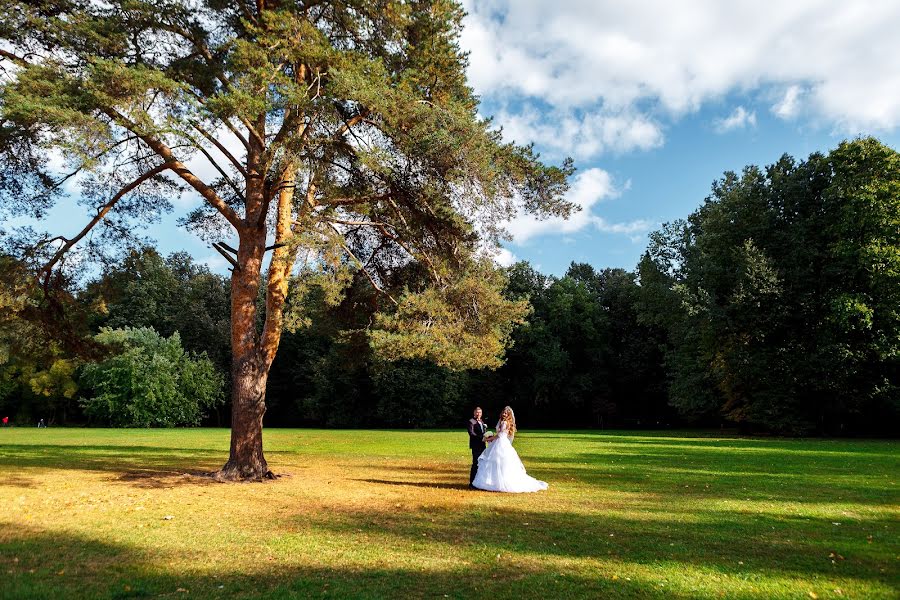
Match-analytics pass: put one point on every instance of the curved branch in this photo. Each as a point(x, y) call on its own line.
point(18, 60)
point(69, 243)
point(376, 224)
point(253, 132)
point(361, 265)
point(354, 200)
point(200, 100)
point(178, 168)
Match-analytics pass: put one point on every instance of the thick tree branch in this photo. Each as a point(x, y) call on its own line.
point(18, 60)
point(348, 123)
point(178, 168)
point(283, 259)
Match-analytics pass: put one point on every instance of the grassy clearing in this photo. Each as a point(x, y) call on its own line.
point(374, 514)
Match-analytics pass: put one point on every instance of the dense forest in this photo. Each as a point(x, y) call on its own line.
point(774, 307)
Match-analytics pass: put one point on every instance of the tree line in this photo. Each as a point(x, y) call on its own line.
point(774, 307)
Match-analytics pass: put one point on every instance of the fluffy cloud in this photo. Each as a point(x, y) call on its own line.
point(589, 188)
point(504, 257)
point(789, 105)
point(563, 133)
point(739, 119)
point(836, 61)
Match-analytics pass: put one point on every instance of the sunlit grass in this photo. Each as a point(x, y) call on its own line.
point(384, 514)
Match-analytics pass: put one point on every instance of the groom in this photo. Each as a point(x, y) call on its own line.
point(477, 429)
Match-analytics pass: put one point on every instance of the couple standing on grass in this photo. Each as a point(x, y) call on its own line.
point(497, 468)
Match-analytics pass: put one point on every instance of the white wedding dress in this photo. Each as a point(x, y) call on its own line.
point(501, 470)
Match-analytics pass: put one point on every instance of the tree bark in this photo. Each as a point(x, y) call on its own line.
point(246, 461)
point(249, 373)
point(249, 369)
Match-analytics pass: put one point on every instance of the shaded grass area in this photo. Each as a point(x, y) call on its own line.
point(383, 514)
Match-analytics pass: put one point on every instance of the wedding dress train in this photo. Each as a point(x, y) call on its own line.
point(501, 470)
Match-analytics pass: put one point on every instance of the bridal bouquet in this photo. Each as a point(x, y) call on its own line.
point(486, 435)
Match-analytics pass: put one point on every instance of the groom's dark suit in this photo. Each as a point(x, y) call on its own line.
point(476, 443)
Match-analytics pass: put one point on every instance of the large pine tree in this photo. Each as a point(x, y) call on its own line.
point(343, 138)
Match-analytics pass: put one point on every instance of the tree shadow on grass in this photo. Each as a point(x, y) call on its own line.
point(116, 459)
point(733, 544)
point(461, 470)
point(16, 481)
point(710, 474)
point(155, 480)
point(64, 565)
point(148, 467)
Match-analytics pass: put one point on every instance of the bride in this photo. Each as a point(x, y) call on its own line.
point(499, 466)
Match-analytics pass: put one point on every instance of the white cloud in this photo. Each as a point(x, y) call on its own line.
point(504, 257)
point(789, 105)
point(650, 59)
point(589, 188)
point(738, 119)
point(630, 228)
point(564, 133)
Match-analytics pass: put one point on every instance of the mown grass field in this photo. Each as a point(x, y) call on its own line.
point(90, 513)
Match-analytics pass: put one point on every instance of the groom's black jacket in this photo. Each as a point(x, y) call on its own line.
point(476, 434)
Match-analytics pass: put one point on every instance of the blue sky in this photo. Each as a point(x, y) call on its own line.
point(654, 100)
point(668, 183)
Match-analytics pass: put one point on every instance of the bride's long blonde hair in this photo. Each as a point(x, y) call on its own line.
point(508, 417)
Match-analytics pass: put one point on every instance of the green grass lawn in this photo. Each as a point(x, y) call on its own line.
point(101, 513)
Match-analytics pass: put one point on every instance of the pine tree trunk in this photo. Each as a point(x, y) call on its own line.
point(248, 396)
point(253, 353)
point(249, 370)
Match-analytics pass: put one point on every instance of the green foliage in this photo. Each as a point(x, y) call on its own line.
point(465, 324)
point(583, 359)
point(170, 295)
point(420, 394)
point(780, 294)
point(778, 298)
point(364, 106)
point(38, 372)
point(150, 381)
